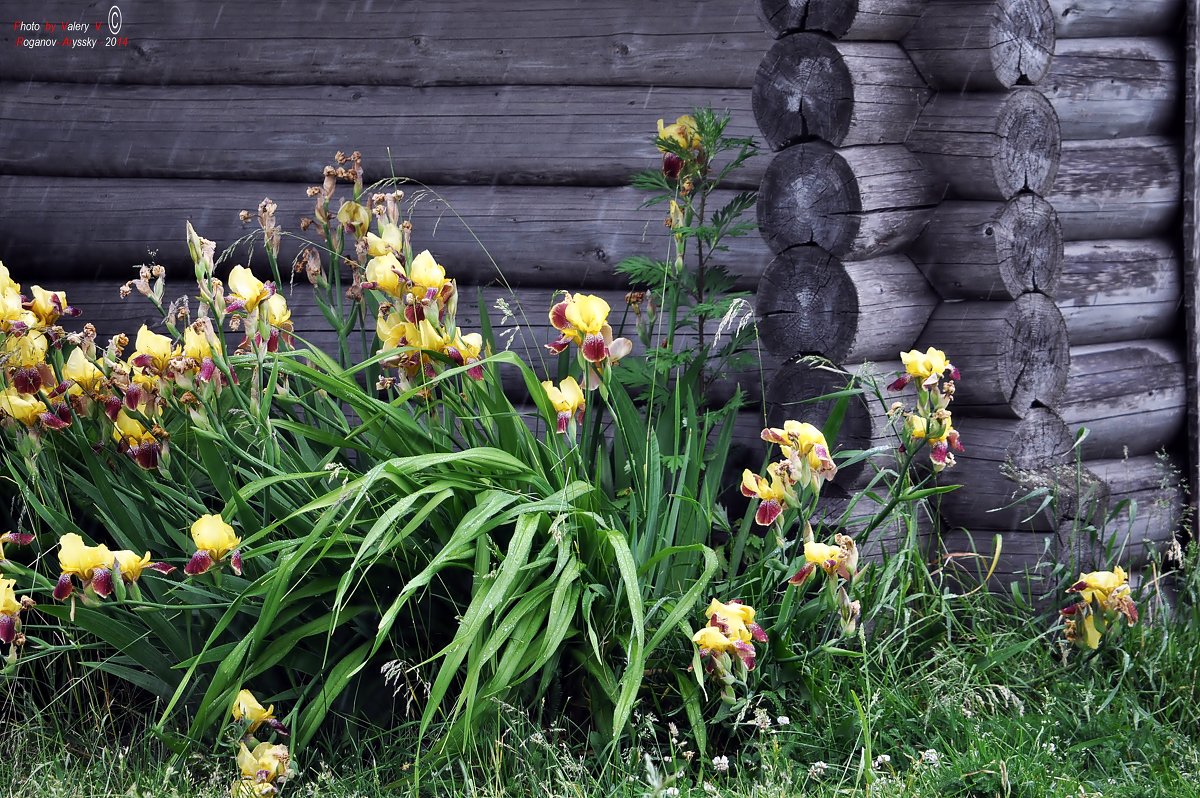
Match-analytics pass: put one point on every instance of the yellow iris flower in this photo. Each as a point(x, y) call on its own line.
point(588, 314)
point(427, 276)
point(568, 401)
point(91, 565)
point(48, 306)
point(390, 240)
point(683, 132)
point(387, 275)
point(82, 373)
point(354, 216)
point(214, 540)
point(246, 289)
point(25, 408)
point(247, 708)
point(153, 351)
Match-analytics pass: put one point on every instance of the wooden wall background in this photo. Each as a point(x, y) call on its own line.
point(999, 178)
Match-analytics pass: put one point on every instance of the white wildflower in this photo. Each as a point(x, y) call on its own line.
point(720, 763)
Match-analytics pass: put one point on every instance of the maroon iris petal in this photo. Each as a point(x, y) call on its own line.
point(939, 452)
point(455, 355)
point(51, 421)
point(64, 587)
point(143, 361)
point(200, 563)
point(235, 562)
point(19, 538)
point(768, 511)
point(207, 367)
point(476, 372)
point(757, 632)
point(745, 651)
point(235, 305)
point(8, 628)
point(1069, 611)
point(672, 165)
point(27, 380)
point(133, 396)
point(801, 576)
point(595, 350)
point(559, 346)
point(273, 341)
point(102, 582)
point(899, 383)
point(112, 407)
point(274, 725)
point(564, 419)
point(558, 317)
point(146, 455)
point(161, 567)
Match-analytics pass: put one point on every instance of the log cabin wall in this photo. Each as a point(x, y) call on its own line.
point(996, 177)
point(1000, 179)
point(522, 122)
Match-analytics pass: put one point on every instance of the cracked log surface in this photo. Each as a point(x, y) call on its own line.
point(846, 93)
point(871, 20)
point(811, 303)
point(856, 202)
point(989, 145)
point(1013, 355)
point(982, 45)
point(991, 250)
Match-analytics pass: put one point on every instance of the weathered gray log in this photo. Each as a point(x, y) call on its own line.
point(1013, 356)
point(1085, 18)
point(1145, 509)
point(1118, 188)
point(699, 43)
point(855, 203)
point(1130, 395)
point(986, 250)
point(471, 134)
point(557, 237)
point(886, 20)
point(810, 303)
point(846, 93)
point(982, 45)
point(1007, 470)
point(1120, 290)
point(989, 145)
point(791, 393)
point(1111, 88)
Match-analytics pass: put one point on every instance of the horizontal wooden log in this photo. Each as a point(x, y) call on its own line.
point(793, 393)
point(982, 45)
point(1114, 88)
point(986, 250)
point(1006, 471)
point(557, 237)
point(1120, 290)
point(483, 135)
point(870, 20)
point(1130, 395)
point(846, 93)
point(1145, 510)
point(855, 203)
point(989, 145)
point(696, 43)
point(1119, 188)
point(811, 303)
point(1013, 356)
point(1076, 19)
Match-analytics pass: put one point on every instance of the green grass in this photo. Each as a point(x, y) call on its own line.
point(984, 687)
